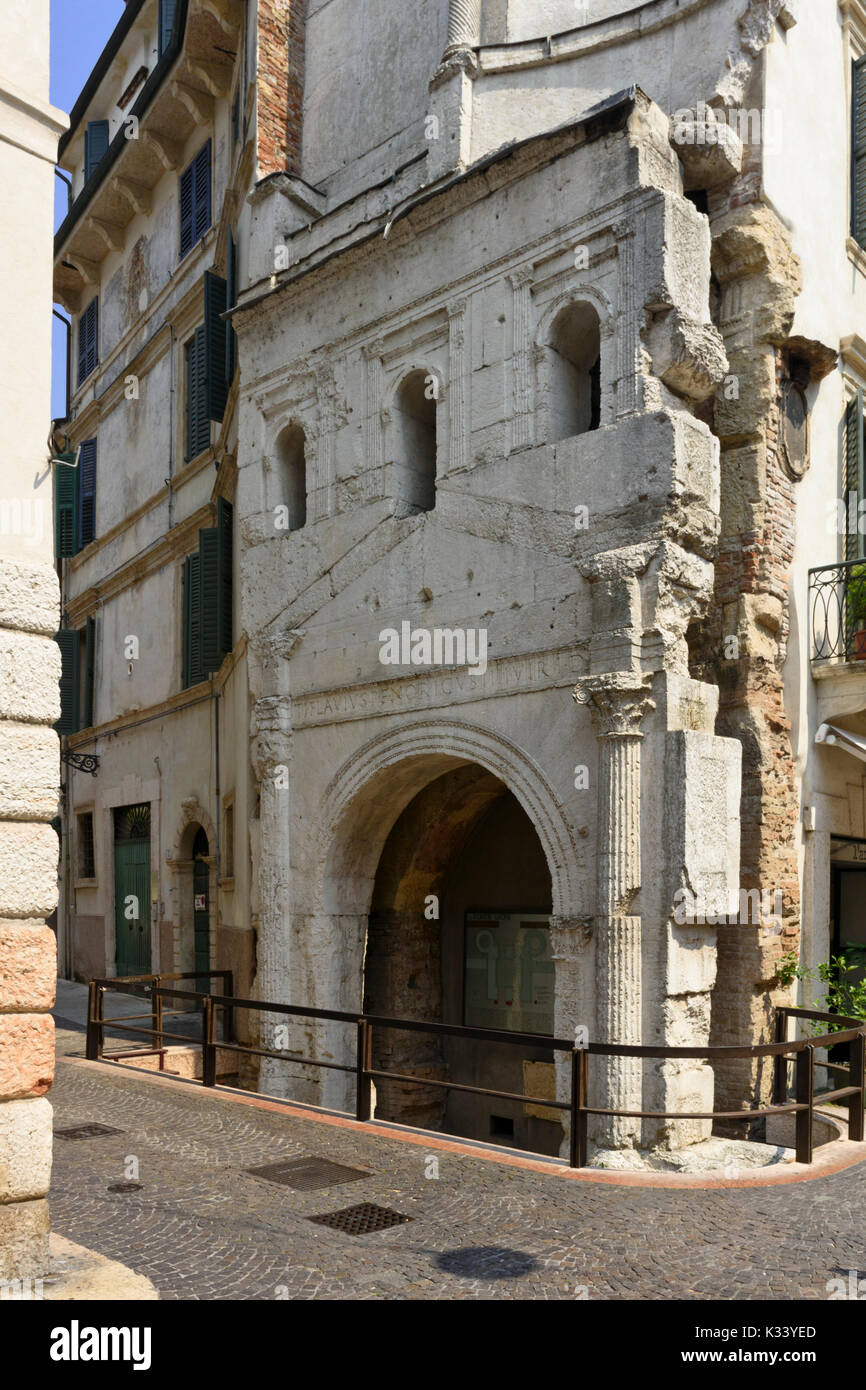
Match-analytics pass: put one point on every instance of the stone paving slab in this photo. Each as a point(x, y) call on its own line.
point(202, 1227)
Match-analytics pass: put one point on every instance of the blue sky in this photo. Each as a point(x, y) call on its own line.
point(79, 32)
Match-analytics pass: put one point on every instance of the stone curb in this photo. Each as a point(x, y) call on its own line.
point(831, 1158)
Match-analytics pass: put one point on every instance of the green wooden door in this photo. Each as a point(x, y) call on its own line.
point(132, 889)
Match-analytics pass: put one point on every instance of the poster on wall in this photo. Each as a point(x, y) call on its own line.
point(509, 973)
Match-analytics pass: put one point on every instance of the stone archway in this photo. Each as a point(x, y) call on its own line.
point(362, 805)
point(462, 873)
point(186, 852)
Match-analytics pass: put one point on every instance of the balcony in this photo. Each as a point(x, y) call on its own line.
point(837, 612)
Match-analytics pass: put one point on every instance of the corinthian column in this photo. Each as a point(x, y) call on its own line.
point(464, 26)
point(618, 703)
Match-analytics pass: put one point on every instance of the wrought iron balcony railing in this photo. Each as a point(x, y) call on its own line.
point(837, 611)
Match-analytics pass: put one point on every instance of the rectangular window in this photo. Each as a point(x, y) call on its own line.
point(508, 972)
point(858, 150)
point(95, 146)
point(207, 600)
point(167, 10)
point(195, 200)
point(88, 340)
point(86, 856)
point(197, 419)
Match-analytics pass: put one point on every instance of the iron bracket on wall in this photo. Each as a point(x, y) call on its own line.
point(84, 762)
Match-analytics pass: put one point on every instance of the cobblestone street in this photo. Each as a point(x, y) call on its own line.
point(202, 1227)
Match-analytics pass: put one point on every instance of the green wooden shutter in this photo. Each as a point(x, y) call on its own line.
point(69, 641)
point(201, 182)
point(852, 476)
point(65, 508)
point(185, 662)
point(95, 146)
point(224, 590)
point(166, 21)
point(197, 418)
point(209, 549)
point(86, 493)
point(89, 671)
point(858, 150)
point(192, 665)
point(231, 299)
point(215, 350)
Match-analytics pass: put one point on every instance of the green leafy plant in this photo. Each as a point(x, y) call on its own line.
point(844, 994)
point(855, 589)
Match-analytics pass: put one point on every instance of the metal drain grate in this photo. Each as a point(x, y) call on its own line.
point(307, 1174)
point(362, 1219)
point(126, 1187)
point(94, 1131)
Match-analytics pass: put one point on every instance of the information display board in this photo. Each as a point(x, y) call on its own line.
point(509, 974)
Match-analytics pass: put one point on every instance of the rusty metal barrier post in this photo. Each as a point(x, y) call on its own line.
point(228, 1013)
point(578, 1154)
point(780, 1065)
point(858, 1079)
point(805, 1082)
point(93, 1045)
point(363, 1080)
point(156, 1011)
point(208, 1042)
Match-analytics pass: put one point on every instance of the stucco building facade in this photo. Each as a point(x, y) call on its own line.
point(459, 414)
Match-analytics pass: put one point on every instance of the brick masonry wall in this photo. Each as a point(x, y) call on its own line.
point(29, 705)
point(280, 85)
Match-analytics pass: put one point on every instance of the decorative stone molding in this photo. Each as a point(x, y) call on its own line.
point(618, 701)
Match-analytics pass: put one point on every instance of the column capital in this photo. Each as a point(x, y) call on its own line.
point(618, 701)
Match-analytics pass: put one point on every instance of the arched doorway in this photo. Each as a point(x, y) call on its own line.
point(201, 900)
point(458, 932)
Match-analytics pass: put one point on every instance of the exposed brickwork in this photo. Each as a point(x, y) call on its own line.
point(759, 278)
point(280, 90)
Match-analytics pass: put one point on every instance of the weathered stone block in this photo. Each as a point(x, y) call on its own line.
point(25, 1149)
point(28, 869)
point(29, 771)
point(28, 967)
point(29, 675)
point(26, 1055)
point(24, 1228)
point(29, 597)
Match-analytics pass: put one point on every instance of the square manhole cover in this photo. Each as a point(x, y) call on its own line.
point(307, 1174)
point(94, 1131)
point(362, 1219)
